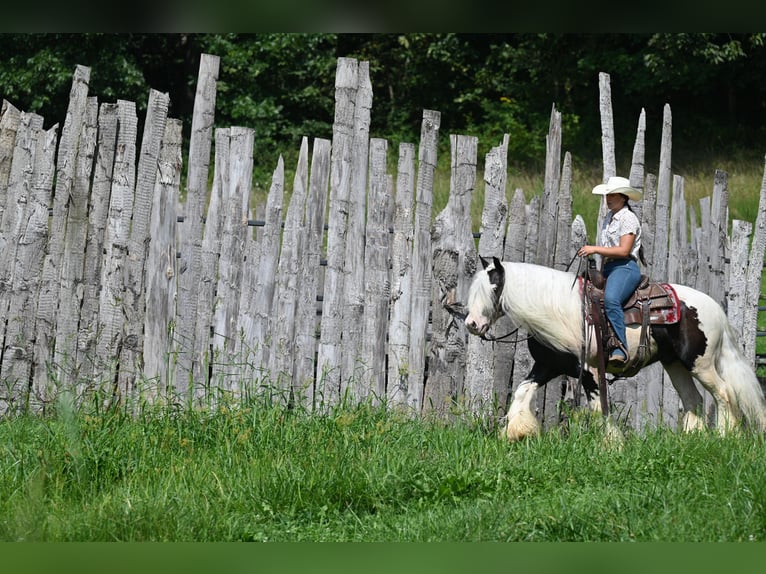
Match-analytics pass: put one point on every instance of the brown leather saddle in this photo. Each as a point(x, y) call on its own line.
point(653, 303)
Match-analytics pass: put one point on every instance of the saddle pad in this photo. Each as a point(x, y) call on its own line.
point(669, 312)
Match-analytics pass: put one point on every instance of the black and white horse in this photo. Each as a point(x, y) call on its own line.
point(548, 304)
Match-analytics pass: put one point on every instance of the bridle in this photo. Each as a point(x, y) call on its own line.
point(458, 312)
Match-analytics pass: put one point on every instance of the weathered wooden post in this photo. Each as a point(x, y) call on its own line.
point(454, 263)
point(97, 222)
point(422, 275)
point(133, 296)
point(377, 282)
point(753, 277)
point(354, 259)
point(289, 279)
point(69, 144)
point(401, 279)
point(330, 351)
point(307, 322)
point(110, 315)
point(161, 266)
point(23, 232)
point(260, 280)
point(210, 251)
point(230, 265)
point(71, 271)
point(482, 388)
point(189, 354)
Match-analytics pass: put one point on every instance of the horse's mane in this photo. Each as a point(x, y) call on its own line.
point(544, 301)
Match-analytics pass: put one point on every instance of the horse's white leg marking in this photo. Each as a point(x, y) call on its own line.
point(727, 417)
point(521, 420)
point(690, 397)
point(613, 437)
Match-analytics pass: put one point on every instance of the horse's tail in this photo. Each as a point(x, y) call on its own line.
point(739, 376)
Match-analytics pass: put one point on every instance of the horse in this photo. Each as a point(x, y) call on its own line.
point(547, 302)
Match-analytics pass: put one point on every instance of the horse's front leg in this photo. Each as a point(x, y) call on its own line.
point(521, 420)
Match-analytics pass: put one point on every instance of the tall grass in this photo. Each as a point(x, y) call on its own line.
point(264, 473)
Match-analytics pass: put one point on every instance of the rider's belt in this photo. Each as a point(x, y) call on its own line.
point(614, 259)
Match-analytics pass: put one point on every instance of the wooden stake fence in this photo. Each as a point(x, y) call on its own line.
point(114, 289)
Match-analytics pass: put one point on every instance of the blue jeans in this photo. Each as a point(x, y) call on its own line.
point(622, 278)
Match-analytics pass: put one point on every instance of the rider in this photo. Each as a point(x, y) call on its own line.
point(618, 244)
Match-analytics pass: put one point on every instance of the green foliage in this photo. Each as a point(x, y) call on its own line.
point(259, 472)
point(282, 85)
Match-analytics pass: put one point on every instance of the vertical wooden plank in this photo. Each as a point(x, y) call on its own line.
point(354, 259)
point(28, 265)
point(736, 291)
point(753, 278)
point(95, 245)
point(71, 272)
point(226, 372)
point(533, 226)
point(377, 282)
point(556, 390)
point(703, 255)
point(421, 257)
point(562, 257)
point(19, 182)
point(637, 164)
point(307, 322)
point(191, 234)
point(692, 263)
point(289, 277)
point(578, 237)
point(329, 352)
point(677, 251)
point(515, 361)
point(630, 389)
point(454, 263)
point(21, 269)
point(401, 278)
point(265, 281)
point(607, 141)
point(649, 222)
point(44, 385)
point(10, 119)
point(210, 250)
point(110, 314)
point(607, 125)
point(662, 206)
point(481, 394)
point(161, 266)
point(719, 216)
point(548, 203)
point(134, 297)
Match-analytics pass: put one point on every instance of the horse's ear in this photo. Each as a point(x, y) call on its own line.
point(484, 262)
point(498, 265)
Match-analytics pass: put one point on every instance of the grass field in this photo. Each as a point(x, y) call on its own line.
point(263, 473)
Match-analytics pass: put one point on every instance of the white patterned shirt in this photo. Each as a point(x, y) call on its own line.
point(618, 224)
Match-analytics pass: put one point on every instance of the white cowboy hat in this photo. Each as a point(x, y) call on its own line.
point(618, 185)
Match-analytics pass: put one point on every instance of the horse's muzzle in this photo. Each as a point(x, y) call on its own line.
point(475, 328)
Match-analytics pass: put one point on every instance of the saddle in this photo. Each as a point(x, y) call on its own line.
point(653, 303)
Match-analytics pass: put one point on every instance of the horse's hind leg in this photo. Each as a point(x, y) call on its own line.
point(727, 415)
point(690, 397)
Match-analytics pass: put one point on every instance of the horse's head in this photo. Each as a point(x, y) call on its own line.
point(484, 297)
